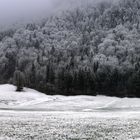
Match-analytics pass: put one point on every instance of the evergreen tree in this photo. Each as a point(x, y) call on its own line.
point(19, 80)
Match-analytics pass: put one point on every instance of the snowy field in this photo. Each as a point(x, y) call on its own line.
point(69, 126)
point(31, 115)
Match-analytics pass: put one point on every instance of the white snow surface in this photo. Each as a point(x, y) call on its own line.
point(9, 97)
point(34, 115)
point(34, 100)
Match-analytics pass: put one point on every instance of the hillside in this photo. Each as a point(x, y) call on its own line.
point(85, 51)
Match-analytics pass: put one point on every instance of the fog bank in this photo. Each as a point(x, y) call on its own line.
point(21, 10)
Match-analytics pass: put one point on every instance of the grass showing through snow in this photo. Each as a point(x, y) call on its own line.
point(66, 126)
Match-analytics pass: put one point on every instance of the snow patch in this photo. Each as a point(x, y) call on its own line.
point(34, 100)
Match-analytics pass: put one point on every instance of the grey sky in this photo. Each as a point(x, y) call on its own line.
point(13, 10)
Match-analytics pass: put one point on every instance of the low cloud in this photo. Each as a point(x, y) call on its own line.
point(15, 10)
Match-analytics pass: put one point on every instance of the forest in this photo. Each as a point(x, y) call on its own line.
point(89, 50)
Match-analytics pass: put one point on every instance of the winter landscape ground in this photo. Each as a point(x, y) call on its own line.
point(33, 115)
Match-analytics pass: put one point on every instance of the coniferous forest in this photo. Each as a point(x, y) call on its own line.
point(91, 50)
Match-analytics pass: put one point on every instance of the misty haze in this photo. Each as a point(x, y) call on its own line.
point(69, 69)
point(19, 10)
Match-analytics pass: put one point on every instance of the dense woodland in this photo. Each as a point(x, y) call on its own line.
point(88, 50)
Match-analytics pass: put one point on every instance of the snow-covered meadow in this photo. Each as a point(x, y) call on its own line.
point(33, 115)
point(67, 126)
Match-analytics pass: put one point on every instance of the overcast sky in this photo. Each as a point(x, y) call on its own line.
point(14, 10)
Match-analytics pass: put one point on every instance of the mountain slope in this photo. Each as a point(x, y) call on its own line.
point(90, 50)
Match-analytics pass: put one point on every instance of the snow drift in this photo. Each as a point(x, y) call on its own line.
point(34, 100)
